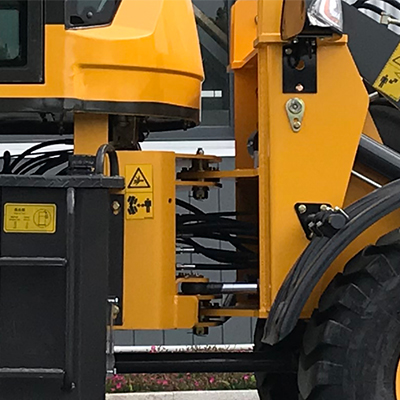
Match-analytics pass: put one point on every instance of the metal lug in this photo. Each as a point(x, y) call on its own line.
point(295, 111)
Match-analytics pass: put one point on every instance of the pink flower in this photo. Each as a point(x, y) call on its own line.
point(196, 383)
point(212, 380)
point(246, 377)
point(153, 349)
point(165, 382)
point(118, 386)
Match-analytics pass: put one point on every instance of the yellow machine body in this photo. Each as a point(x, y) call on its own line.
point(147, 62)
point(150, 287)
point(313, 165)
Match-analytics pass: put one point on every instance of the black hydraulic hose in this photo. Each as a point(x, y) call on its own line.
point(209, 215)
point(63, 172)
point(188, 206)
point(238, 243)
point(37, 164)
point(184, 218)
point(358, 3)
point(216, 228)
point(31, 162)
point(223, 237)
point(371, 7)
point(394, 3)
point(6, 162)
point(53, 163)
point(384, 201)
point(37, 147)
point(378, 157)
point(219, 222)
point(224, 256)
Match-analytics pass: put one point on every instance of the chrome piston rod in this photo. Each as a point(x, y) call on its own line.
point(211, 288)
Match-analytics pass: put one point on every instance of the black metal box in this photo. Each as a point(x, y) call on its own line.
point(56, 241)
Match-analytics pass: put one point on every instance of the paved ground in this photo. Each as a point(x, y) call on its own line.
point(211, 395)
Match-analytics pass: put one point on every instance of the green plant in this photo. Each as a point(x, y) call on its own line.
point(179, 382)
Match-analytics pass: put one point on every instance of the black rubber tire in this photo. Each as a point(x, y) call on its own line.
point(351, 346)
point(277, 386)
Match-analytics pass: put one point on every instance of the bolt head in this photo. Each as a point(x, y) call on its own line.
point(115, 311)
point(302, 208)
point(323, 207)
point(296, 124)
point(116, 207)
point(288, 51)
point(295, 107)
point(299, 87)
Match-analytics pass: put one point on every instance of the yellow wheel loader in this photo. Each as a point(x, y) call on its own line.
point(89, 237)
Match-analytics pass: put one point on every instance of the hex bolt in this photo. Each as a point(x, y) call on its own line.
point(302, 208)
point(299, 87)
point(295, 107)
point(116, 206)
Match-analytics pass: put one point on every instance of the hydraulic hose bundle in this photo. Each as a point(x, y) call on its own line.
point(223, 226)
point(36, 160)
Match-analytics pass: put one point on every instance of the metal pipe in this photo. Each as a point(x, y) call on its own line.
point(70, 339)
point(228, 288)
point(366, 179)
point(212, 288)
point(373, 96)
point(165, 362)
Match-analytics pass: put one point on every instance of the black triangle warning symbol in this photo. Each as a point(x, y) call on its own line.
point(139, 181)
point(396, 60)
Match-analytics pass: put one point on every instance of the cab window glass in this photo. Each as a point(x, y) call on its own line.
point(12, 33)
point(9, 35)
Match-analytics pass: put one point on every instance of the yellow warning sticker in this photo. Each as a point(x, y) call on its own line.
point(388, 81)
point(139, 205)
point(29, 218)
point(139, 178)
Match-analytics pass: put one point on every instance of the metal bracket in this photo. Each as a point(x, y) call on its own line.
point(113, 311)
point(295, 111)
point(299, 66)
point(319, 219)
